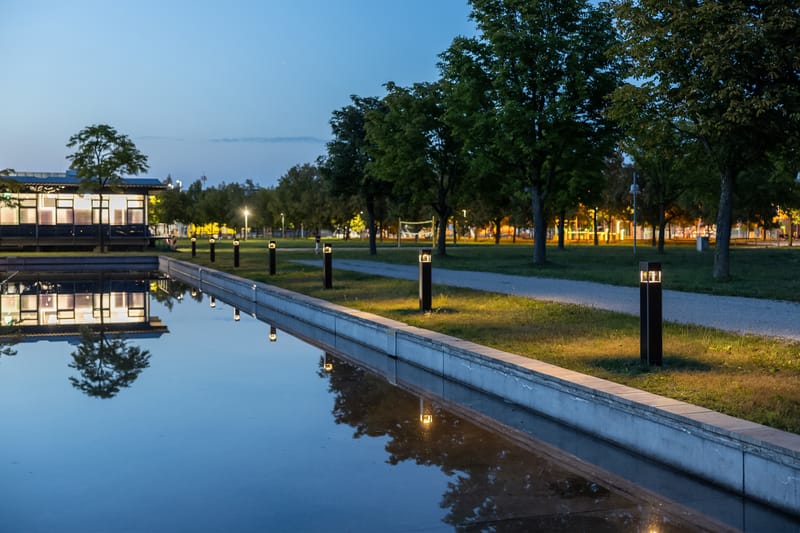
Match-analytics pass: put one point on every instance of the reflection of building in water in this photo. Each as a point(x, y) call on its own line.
point(44, 306)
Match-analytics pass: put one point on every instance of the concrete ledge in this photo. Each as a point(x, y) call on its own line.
point(92, 263)
point(750, 459)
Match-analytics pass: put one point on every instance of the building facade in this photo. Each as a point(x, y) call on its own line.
point(46, 211)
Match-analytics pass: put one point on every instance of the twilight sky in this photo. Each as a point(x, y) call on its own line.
point(231, 89)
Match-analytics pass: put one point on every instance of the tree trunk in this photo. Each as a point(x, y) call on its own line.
point(594, 216)
point(441, 237)
point(722, 246)
point(561, 217)
point(102, 236)
point(497, 226)
point(662, 225)
point(539, 225)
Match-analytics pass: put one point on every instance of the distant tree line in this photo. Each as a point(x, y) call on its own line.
point(549, 111)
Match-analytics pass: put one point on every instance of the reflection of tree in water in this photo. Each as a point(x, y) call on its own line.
point(169, 291)
point(495, 485)
point(106, 364)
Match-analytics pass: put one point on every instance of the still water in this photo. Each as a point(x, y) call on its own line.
point(181, 418)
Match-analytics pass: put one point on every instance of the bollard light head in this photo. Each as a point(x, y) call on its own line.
point(236, 243)
point(194, 239)
point(272, 245)
point(211, 240)
point(327, 249)
point(425, 255)
point(649, 272)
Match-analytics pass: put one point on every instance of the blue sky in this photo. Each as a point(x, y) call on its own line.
point(231, 89)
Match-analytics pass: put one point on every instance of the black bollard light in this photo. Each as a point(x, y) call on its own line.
point(236, 253)
point(194, 246)
point(212, 253)
point(272, 246)
point(327, 265)
point(273, 334)
point(425, 280)
point(650, 313)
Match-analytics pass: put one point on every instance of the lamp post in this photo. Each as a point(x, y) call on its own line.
point(283, 227)
point(650, 313)
point(425, 280)
point(634, 192)
point(327, 266)
point(194, 246)
point(272, 246)
point(211, 249)
point(246, 212)
point(236, 254)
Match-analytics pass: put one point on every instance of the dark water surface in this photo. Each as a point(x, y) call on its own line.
point(210, 426)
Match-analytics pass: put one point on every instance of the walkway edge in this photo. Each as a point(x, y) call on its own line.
point(750, 459)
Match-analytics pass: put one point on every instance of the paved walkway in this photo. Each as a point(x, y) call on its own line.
point(730, 313)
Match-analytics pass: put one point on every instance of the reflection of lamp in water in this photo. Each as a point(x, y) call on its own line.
point(194, 292)
point(327, 364)
point(212, 303)
point(425, 415)
point(236, 316)
point(273, 334)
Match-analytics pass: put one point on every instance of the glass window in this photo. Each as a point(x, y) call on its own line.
point(27, 215)
point(9, 216)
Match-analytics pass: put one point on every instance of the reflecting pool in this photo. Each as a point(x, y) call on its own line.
point(207, 419)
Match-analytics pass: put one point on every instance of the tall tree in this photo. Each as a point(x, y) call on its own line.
point(549, 75)
point(730, 71)
point(102, 157)
point(416, 148)
point(303, 198)
point(345, 167)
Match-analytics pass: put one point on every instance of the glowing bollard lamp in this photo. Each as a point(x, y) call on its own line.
point(327, 266)
point(272, 246)
point(236, 254)
point(650, 313)
point(194, 246)
point(211, 247)
point(425, 280)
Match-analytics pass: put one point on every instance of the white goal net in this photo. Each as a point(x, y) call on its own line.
point(415, 231)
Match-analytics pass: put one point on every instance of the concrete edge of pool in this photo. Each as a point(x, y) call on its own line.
point(756, 461)
point(751, 459)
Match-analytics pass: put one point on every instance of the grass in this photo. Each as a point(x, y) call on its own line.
point(744, 376)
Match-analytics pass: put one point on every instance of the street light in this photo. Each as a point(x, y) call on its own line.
point(283, 229)
point(246, 212)
point(634, 192)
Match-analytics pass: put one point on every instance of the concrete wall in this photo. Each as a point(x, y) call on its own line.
point(750, 459)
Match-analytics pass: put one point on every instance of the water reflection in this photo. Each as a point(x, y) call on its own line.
point(496, 484)
point(99, 313)
point(106, 364)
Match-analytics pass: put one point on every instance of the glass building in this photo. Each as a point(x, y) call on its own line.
point(47, 211)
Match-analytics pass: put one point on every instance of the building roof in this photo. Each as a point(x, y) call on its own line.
point(70, 179)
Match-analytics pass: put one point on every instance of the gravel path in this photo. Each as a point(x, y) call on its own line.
point(730, 313)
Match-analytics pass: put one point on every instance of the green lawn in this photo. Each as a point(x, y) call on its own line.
point(744, 376)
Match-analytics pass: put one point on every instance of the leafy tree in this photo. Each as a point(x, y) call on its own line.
point(101, 157)
point(549, 75)
point(345, 167)
point(303, 197)
point(723, 73)
point(416, 148)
